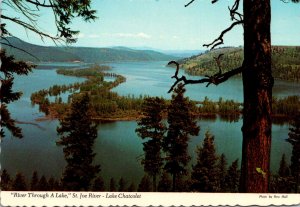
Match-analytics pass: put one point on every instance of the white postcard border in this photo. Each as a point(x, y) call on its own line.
point(31, 198)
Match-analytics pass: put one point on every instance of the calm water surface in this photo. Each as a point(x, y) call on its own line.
point(118, 147)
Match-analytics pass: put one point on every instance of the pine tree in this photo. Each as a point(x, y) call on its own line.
point(98, 184)
point(165, 183)
point(122, 185)
point(77, 135)
point(131, 187)
point(43, 184)
point(204, 176)
point(283, 170)
point(8, 68)
point(5, 181)
point(281, 183)
point(112, 185)
point(232, 177)
point(145, 184)
point(34, 181)
point(182, 125)
point(19, 183)
point(294, 140)
point(222, 172)
point(281, 180)
point(51, 184)
point(150, 127)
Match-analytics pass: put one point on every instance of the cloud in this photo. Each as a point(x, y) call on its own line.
point(140, 35)
point(88, 36)
point(93, 36)
point(81, 35)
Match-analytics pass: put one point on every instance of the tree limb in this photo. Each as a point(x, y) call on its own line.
point(219, 40)
point(213, 1)
point(12, 46)
point(233, 11)
point(214, 79)
point(37, 4)
point(189, 3)
point(30, 27)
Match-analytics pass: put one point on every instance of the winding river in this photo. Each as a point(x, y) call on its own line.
point(118, 147)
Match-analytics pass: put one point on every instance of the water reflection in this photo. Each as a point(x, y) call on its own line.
point(117, 146)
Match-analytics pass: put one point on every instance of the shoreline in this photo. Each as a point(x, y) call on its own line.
point(136, 117)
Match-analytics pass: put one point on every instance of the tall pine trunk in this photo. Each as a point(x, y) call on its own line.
point(258, 83)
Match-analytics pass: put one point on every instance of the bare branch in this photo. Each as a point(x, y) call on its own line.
point(12, 46)
point(218, 61)
point(30, 27)
point(213, 1)
point(37, 3)
point(214, 79)
point(219, 40)
point(233, 11)
point(189, 3)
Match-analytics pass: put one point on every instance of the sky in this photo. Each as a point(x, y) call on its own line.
point(164, 24)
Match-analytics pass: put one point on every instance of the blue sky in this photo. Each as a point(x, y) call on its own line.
point(167, 24)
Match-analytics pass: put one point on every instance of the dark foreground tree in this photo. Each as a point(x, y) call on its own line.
point(43, 184)
point(53, 184)
point(5, 181)
point(34, 181)
point(182, 125)
point(10, 68)
point(112, 185)
point(77, 135)
point(257, 84)
point(145, 184)
point(222, 168)
point(165, 183)
point(205, 174)
point(232, 178)
point(122, 185)
point(151, 127)
point(294, 140)
point(131, 187)
point(98, 184)
point(19, 183)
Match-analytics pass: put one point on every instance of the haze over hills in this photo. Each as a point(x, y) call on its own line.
point(176, 53)
point(84, 54)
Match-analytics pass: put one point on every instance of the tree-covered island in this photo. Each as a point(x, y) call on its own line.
point(108, 105)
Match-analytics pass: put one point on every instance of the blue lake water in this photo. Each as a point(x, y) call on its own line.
point(117, 146)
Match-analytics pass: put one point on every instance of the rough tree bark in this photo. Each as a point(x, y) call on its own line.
point(258, 83)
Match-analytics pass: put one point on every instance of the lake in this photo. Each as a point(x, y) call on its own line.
point(118, 147)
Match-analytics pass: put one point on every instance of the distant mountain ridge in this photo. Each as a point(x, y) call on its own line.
point(84, 54)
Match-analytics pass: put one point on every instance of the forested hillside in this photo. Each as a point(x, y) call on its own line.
point(285, 62)
point(84, 54)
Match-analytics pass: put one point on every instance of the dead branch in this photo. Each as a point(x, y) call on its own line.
point(31, 28)
point(213, 1)
point(233, 11)
point(214, 79)
point(189, 3)
point(37, 3)
point(219, 40)
point(218, 77)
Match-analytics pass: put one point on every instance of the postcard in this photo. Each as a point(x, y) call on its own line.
point(150, 102)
